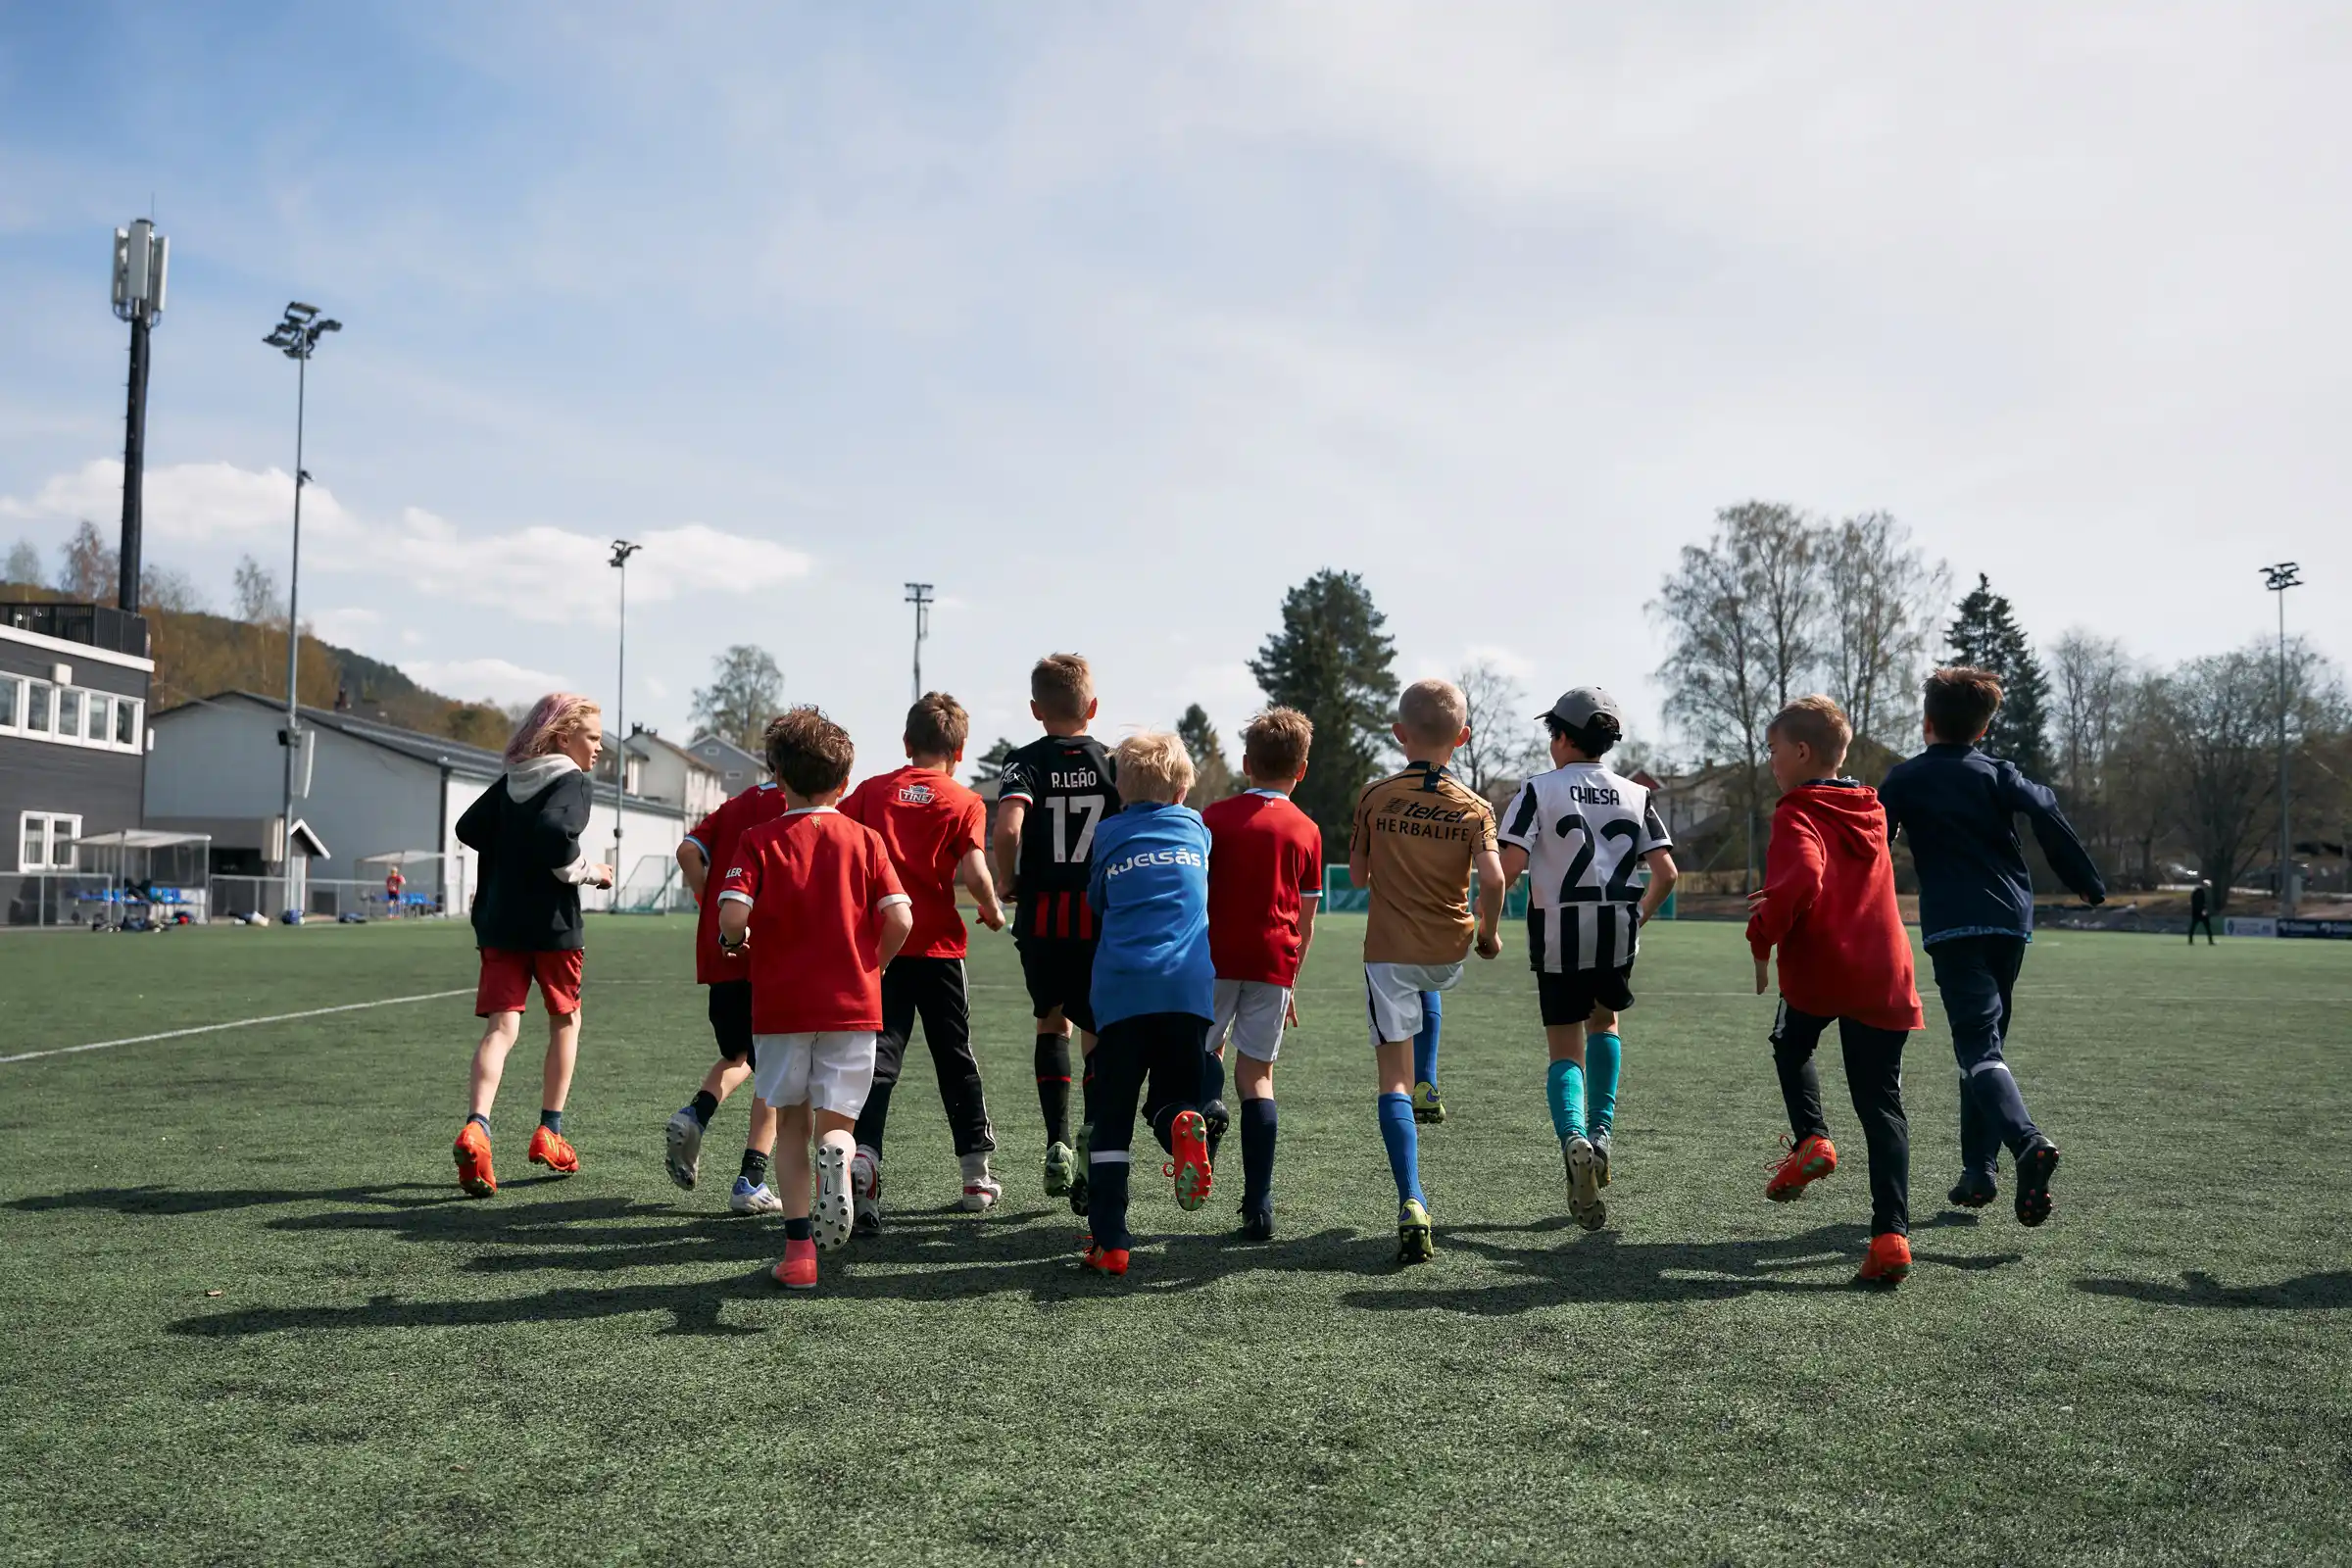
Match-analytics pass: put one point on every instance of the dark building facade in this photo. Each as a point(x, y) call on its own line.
point(74, 684)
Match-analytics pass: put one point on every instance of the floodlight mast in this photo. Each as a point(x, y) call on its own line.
point(622, 550)
point(296, 336)
point(918, 594)
point(2279, 579)
point(141, 256)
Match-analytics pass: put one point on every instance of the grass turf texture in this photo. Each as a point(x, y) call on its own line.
point(598, 1368)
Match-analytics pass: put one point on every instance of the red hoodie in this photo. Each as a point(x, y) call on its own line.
point(1828, 905)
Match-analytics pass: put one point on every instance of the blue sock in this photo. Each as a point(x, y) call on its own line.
point(1107, 1197)
point(1404, 1146)
point(553, 1121)
point(1425, 1043)
point(1564, 1088)
point(803, 1229)
point(1258, 1155)
point(484, 1120)
point(1603, 1055)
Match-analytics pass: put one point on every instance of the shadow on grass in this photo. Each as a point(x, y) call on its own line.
point(1606, 1267)
point(2304, 1294)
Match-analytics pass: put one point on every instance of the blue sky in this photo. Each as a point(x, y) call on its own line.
point(1115, 321)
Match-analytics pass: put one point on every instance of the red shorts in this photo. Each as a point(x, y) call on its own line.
point(507, 976)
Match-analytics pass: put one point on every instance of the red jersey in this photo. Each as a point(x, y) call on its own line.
point(1828, 905)
point(929, 823)
point(1265, 860)
point(814, 881)
point(715, 835)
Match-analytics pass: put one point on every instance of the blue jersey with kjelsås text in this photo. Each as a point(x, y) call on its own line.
point(1148, 885)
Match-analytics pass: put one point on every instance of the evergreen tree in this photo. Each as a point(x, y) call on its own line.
point(1330, 660)
point(1987, 636)
point(1212, 775)
point(991, 765)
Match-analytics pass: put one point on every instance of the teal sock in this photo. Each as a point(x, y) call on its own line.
point(1564, 1088)
point(1404, 1146)
point(1603, 1055)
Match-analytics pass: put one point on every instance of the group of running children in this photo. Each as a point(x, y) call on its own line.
point(1166, 937)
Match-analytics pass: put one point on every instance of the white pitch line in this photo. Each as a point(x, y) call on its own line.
point(239, 1023)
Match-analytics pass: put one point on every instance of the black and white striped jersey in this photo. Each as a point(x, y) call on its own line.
point(1585, 830)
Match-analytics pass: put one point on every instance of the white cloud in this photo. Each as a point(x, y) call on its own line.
point(655, 688)
point(1517, 666)
point(535, 573)
point(498, 679)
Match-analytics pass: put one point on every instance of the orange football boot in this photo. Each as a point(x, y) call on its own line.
point(1108, 1260)
point(1808, 1163)
point(473, 1151)
point(1188, 1140)
point(550, 1150)
point(1888, 1261)
point(797, 1269)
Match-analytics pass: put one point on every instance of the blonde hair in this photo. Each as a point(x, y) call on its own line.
point(552, 719)
point(1153, 766)
point(1432, 711)
point(1063, 685)
point(1276, 743)
point(1816, 721)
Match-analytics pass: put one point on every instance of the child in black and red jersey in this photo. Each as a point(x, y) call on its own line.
point(935, 830)
point(1054, 793)
point(813, 897)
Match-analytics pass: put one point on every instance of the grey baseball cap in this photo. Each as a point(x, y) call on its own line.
point(1581, 705)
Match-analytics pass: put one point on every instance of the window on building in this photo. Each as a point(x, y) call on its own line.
point(36, 707)
point(12, 701)
point(99, 721)
point(127, 723)
point(45, 842)
point(69, 714)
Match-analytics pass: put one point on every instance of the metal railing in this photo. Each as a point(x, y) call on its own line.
point(87, 899)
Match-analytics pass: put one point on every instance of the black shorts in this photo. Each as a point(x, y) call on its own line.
point(731, 1019)
point(1571, 997)
point(1060, 974)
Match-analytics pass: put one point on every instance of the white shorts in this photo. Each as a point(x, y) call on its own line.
point(1251, 1012)
point(1393, 991)
point(831, 1071)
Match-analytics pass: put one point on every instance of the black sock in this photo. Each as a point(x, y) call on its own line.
point(1258, 1155)
point(800, 1230)
point(1085, 1090)
point(705, 1107)
point(1054, 1085)
point(484, 1120)
point(553, 1121)
point(754, 1167)
point(875, 1117)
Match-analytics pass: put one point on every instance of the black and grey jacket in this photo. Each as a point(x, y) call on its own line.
point(526, 827)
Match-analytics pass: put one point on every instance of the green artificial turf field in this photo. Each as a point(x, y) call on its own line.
point(246, 1317)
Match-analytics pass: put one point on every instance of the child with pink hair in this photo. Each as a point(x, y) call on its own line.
point(526, 919)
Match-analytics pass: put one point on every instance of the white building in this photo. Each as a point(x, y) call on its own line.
point(374, 789)
point(665, 771)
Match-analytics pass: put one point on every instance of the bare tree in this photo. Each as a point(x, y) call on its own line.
point(2095, 691)
point(23, 564)
point(257, 597)
point(746, 691)
point(1881, 599)
point(1503, 748)
point(1719, 683)
point(87, 571)
point(1783, 551)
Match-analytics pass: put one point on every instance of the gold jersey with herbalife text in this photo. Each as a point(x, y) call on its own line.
point(1585, 830)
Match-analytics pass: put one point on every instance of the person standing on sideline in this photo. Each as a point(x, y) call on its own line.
point(2200, 912)
point(526, 919)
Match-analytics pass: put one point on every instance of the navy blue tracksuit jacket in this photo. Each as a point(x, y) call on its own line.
point(1957, 807)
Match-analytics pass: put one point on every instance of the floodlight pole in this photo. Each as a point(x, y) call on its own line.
point(622, 550)
point(297, 337)
point(2279, 579)
point(918, 594)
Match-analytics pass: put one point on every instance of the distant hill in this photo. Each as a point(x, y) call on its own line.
point(198, 654)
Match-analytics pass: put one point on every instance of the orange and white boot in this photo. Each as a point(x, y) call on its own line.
point(1807, 1162)
point(472, 1152)
point(550, 1149)
point(1888, 1261)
